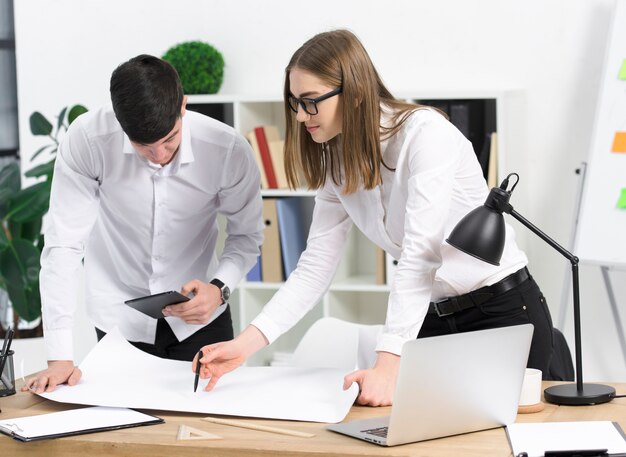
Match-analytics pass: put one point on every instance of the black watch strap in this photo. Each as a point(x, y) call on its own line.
point(224, 290)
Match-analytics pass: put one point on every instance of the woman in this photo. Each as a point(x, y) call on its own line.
point(405, 176)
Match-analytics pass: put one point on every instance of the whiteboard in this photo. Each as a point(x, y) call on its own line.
point(601, 227)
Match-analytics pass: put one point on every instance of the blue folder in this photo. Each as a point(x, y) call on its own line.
point(255, 273)
point(293, 233)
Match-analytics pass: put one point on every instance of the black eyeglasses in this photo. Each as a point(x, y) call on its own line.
point(309, 105)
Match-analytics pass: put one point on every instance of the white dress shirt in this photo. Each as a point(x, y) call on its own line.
point(143, 228)
point(437, 180)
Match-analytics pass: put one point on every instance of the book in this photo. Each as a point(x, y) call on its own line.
point(293, 233)
point(271, 256)
point(251, 136)
point(277, 152)
point(380, 266)
point(75, 422)
point(254, 275)
point(266, 158)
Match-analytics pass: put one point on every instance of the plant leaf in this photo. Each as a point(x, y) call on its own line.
point(75, 111)
point(39, 151)
point(29, 256)
point(39, 125)
point(41, 170)
point(20, 269)
point(30, 231)
point(61, 118)
point(4, 241)
point(30, 203)
point(10, 181)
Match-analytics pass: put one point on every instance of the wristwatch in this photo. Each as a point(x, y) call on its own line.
point(224, 289)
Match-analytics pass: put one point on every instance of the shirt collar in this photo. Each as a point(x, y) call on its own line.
point(185, 153)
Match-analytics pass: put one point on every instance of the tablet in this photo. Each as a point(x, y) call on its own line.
point(152, 305)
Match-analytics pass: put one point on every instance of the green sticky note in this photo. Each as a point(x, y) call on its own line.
point(621, 203)
point(622, 71)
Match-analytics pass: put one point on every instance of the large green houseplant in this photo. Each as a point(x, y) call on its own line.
point(21, 212)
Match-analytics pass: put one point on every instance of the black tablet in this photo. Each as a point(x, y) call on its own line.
point(153, 304)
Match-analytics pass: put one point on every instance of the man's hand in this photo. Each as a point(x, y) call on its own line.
point(221, 358)
point(206, 298)
point(377, 384)
point(58, 372)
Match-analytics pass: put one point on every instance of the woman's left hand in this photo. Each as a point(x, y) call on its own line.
point(377, 384)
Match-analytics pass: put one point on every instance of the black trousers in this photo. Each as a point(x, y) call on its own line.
point(167, 346)
point(520, 305)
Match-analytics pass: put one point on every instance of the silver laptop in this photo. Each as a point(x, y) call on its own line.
point(451, 384)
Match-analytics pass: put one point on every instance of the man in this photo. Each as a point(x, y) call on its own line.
point(136, 191)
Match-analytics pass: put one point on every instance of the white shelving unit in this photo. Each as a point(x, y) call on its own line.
point(354, 294)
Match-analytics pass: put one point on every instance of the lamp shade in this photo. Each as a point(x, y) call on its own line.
point(481, 234)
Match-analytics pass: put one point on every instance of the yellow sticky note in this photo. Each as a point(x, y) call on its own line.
point(622, 71)
point(619, 142)
point(621, 203)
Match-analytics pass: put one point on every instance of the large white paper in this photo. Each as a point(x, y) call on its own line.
point(536, 438)
point(115, 373)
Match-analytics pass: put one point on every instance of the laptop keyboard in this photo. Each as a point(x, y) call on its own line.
point(380, 431)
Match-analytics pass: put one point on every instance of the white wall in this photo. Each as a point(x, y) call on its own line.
point(551, 49)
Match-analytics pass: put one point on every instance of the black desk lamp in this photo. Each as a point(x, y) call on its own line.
point(481, 234)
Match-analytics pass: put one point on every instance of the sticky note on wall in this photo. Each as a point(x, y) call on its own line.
point(619, 142)
point(621, 203)
point(622, 71)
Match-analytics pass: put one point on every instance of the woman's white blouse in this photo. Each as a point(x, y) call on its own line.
point(437, 180)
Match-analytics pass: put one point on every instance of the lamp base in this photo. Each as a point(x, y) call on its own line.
point(569, 394)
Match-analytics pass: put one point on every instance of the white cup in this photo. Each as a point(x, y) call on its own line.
point(531, 388)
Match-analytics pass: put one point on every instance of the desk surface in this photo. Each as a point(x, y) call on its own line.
point(160, 440)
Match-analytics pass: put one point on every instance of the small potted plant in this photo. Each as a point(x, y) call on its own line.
point(199, 65)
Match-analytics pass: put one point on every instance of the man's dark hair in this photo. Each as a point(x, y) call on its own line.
point(147, 96)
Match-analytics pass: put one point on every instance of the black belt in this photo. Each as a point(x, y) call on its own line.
point(451, 305)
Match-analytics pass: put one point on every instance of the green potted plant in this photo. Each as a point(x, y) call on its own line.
point(21, 214)
point(199, 65)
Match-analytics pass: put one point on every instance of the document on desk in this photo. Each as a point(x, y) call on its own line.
point(535, 439)
point(115, 373)
point(74, 422)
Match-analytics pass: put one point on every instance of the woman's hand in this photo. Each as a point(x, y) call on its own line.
point(221, 358)
point(376, 385)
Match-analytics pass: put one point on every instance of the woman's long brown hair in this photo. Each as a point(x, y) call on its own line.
point(339, 59)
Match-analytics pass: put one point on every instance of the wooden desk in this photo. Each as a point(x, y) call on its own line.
point(160, 440)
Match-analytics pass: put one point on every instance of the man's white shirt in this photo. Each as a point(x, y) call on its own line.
point(143, 228)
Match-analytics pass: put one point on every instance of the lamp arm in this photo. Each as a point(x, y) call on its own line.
point(564, 252)
point(575, 286)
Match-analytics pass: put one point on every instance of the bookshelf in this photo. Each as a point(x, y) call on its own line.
point(354, 294)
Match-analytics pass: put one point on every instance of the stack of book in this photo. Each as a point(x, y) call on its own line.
point(268, 152)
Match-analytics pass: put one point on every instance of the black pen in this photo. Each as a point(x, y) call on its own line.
point(8, 338)
point(577, 453)
point(195, 382)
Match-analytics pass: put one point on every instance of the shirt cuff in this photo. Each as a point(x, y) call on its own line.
point(390, 343)
point(267, 327)
point(59, 344)
point(229, 274)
